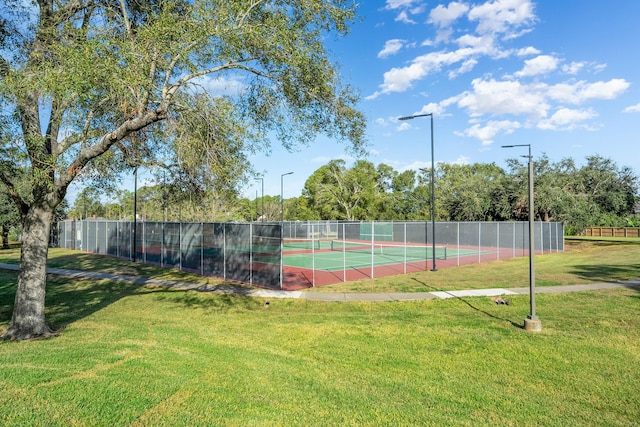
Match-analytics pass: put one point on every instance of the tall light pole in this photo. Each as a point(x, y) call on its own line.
point(532, 322)
point(282, 195)
point(135, 213)
point(433, 202)
point(262, 214)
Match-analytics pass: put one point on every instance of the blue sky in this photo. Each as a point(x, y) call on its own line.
point(559, 75)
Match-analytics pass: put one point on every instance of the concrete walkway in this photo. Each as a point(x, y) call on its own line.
point(332, 296)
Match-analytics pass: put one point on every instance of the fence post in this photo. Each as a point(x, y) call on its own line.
point(373, 248)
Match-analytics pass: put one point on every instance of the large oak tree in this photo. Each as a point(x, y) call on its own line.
point(106, 84)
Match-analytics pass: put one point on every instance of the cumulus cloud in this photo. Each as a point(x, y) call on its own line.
point(573, 68)
point(541, 64)
point(403, 126)
point(404, 17)
point(566, 119)
point(444, 16)
point(487, 133)
point(499, 17)
point(396, 4)
point(502, 16)
point(401, 79)
point(503, 97)
point(391, 47)
point(406, 8)
point(582, 91)
point(466, 67)
point(531, 97)
point(632, 109)
point(381, 122)
point(527, 51)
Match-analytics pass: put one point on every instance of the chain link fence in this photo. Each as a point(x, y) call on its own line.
point(245, 252)
point(299, 254)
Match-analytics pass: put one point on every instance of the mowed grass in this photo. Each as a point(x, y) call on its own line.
point(584, 261)
point(138, 356)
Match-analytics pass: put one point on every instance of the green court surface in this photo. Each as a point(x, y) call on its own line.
point(329, 259)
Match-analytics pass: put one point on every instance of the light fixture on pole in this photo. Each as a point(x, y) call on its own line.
point(433, 202)
point(532, 322)
point(282, 195)
point(262, 199)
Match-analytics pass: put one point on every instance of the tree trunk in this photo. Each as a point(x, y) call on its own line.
point(5, 237)
point(28, 319)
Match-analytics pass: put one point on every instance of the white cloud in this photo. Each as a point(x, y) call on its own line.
point(406, 7)
point(573, 68)
point(490, 130)
point(401, 79)
point(632, 109)
point(527, 51)
point(466, 67)
point(391, 47)
point(396, 4)
point(495, 17)
point(443, 16)
point(502, 16)
point(431, 108)
point(581, 91)
point(566, 119)
point(503, 97)
point(469, 40)
point(404, 17)
point(541, 64)
point(403, 126)
point(381, 122)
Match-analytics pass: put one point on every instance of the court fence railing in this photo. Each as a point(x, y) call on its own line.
point(262, 254)
point(249, 253)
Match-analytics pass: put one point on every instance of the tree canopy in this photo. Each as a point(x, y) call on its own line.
point(91, 88)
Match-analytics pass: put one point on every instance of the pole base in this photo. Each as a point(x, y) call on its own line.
point(532, 325)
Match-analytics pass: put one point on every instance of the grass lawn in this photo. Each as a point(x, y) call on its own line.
point(137, 356)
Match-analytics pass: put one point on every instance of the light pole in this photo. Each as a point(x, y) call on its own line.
point(532, 322)
point(262, 214)
point(135, 213)
point(282, 195)
point(433, 202)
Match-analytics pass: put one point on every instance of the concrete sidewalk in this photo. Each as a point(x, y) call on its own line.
point(332, 296)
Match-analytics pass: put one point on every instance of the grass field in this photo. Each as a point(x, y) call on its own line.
point(153, 357)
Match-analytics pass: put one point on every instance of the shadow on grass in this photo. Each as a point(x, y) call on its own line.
point(108, 264)
point(69, 299)
point(607, 273)
point(479, 310)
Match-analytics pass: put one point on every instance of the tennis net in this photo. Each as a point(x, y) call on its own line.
point(398, 250)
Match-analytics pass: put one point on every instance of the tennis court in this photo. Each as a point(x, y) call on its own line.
point(322, 262)
point(340, 254)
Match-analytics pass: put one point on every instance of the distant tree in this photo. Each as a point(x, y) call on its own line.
point(337, 192)
point(9, 217)
point(87, 204)
point(608, 186)
point(467, 192)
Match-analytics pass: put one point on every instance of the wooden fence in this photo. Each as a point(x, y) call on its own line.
point(612, 231)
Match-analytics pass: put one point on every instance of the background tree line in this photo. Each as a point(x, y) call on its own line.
point(598, 193)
